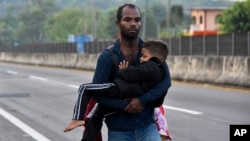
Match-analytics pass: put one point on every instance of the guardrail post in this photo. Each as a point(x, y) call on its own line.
point(218, 45)
point(204, 45)
point(248, 43)
point(233, 53)
point(170, 46)
point(190, 44)
point(180, 46)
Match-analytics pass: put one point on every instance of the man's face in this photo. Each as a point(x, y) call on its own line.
point(130, 23)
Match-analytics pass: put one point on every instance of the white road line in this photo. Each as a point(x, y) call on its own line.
point(73, 86)
point(12, 72)
point(182, 110)
point(37, 78)
point(27, 129)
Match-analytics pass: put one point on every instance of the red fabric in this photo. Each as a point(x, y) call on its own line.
point(162, 110)
point(91, 104)
point(89, 107)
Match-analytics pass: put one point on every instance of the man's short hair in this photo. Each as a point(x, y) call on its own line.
point(119, 11)
point(158, 48)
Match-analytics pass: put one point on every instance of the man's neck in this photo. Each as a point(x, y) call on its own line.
point(126, 44)
point(129, 48)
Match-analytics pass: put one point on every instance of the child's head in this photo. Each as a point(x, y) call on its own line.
point(154, 48)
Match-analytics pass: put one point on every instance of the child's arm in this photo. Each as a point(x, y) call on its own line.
point(143, 72)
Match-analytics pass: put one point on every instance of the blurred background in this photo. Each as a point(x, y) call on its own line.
point(29, 22)
point(209, 42)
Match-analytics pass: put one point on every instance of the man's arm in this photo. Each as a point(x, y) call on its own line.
point(103, 68)
point(101, 75)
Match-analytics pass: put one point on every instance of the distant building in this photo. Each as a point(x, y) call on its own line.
point(204, 20)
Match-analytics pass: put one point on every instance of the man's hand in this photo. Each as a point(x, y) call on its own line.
point(134, 106)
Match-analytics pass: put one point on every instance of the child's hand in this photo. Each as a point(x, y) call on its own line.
point(123, 64)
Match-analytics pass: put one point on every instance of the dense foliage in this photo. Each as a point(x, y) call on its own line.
point(60, 25)
point(236, 18)
point(41, 21)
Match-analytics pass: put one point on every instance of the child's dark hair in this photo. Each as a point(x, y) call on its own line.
point(158, 49)
point(119, 11)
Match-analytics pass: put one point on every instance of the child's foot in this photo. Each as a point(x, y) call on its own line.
point(73, 124)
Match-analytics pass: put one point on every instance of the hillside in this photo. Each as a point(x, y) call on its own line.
point(104, 5)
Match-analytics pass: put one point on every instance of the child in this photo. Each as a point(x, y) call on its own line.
point(131, 82)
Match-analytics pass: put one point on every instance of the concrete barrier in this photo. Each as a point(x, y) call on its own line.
point(86, 61)
point(232, 70)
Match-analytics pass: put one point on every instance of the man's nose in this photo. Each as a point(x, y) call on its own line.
point(133, 23)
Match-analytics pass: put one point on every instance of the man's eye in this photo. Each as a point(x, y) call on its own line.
point(138, 20)
point(126, 19)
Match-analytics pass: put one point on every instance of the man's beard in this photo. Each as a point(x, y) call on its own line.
point(130, 36)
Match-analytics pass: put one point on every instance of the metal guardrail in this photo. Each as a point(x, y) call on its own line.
point(42, 48)
point(219, 45)
point(235, 44)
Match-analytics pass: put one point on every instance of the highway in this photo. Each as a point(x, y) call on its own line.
point(36, 104)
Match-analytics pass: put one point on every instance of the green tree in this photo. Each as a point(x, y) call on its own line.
point(236, 18)
point(102, 26)
point(33, 18)
point(176, 13)
point(9, 29)
point(60, 25)
point(160, 14)
point(151, 26)
point(112, 30)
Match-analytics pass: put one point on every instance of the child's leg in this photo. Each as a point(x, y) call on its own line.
point(108, 90)
point(111, 90)
point(84, 97)
point(79, 111)
point(81, 105)
point(79, 108)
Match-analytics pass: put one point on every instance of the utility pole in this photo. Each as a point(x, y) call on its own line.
point(144, 24)
point(93, 19)
point(168, 13)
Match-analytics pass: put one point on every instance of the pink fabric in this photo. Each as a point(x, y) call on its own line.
point(161, 121)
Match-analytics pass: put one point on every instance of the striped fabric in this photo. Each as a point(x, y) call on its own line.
point(81, 90)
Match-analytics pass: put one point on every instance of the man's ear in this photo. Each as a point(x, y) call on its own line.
point(117, 22)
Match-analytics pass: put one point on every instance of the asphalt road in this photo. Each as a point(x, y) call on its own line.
point(36, 104)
